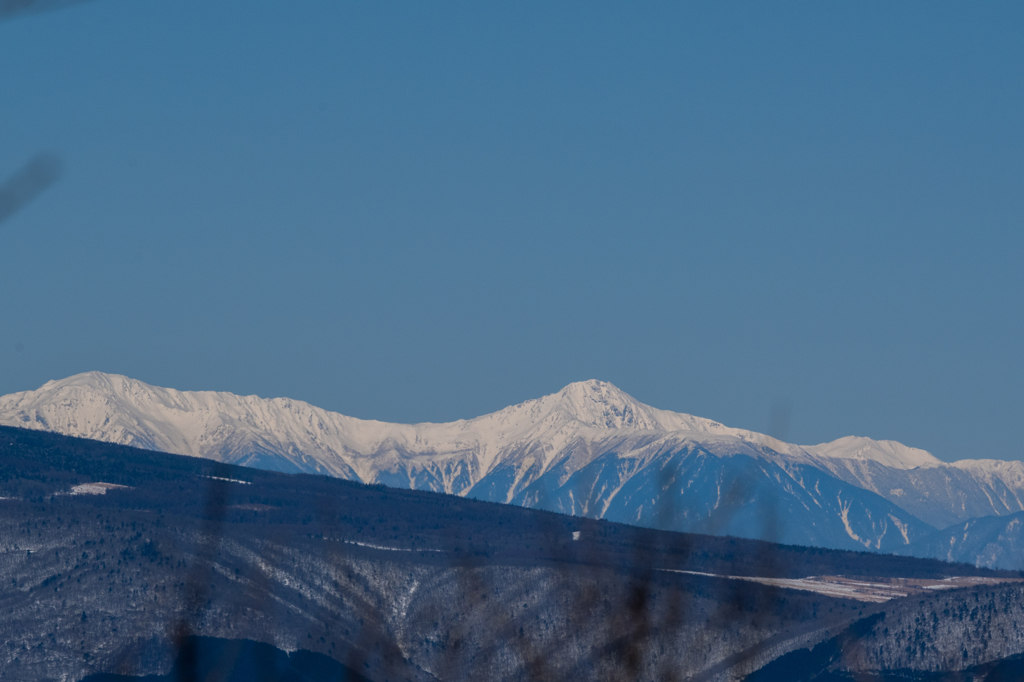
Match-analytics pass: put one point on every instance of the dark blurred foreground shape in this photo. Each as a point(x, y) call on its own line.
point(25, 185)
point(13, 8)
point(221, 660)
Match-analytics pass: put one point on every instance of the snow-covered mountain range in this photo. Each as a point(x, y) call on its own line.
point(589, 449)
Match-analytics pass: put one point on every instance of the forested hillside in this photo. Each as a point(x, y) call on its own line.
point(391, 584)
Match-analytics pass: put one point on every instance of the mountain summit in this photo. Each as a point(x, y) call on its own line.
point(590, 449)
point(601, 405)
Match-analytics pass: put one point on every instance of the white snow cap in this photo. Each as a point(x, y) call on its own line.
point(887, 452)
point(601, 405)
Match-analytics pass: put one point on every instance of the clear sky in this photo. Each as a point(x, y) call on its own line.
point(803, 218)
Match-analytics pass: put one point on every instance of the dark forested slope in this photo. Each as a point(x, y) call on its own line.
point(391, 584)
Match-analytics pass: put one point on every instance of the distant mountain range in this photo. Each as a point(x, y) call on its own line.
point(589, 450)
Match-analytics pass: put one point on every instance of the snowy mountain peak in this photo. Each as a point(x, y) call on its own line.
point(602, 405)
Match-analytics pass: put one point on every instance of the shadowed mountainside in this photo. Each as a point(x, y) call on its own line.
point(991, 541)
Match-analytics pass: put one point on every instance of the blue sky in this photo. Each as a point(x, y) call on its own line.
point(428, 211)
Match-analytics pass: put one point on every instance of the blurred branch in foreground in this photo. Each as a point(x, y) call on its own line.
point(12, 8)
point(31, 180)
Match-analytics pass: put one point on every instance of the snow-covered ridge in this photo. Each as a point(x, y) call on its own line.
point(251, 429)
point(886, 452)
point(118, 409)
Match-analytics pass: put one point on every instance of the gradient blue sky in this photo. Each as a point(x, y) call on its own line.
point(428, 211)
